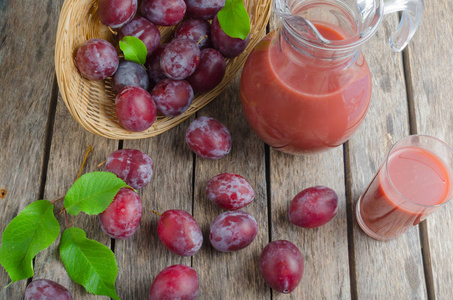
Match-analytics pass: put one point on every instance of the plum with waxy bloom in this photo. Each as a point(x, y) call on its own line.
point(144, 30)
point(180, 58)
point(97, 59)
point(135, 109)
point(116, 13)
point(282, 266)
point(208, 138)
point(229, 46)
point(163, 12)
point(179, 232)
point(43, 289)
point(133, 166)
point(172, 97)
point(210, 71)
point(230, 191)
point(198, 31)
point(175, 282)
point(232, 231)
point(313, 207)
point(129, 73)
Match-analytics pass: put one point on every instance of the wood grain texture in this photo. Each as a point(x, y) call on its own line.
point(383, 270)
point(430, 68)
point(325, 249)
point(393, 269)
point(69, 143)
point(233, 275)
point(143, 256)
point(27, 36)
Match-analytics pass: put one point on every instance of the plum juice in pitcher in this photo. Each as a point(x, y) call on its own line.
point(307, 87)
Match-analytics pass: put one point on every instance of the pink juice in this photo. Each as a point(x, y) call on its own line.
point(417, 182)
point(297, 102)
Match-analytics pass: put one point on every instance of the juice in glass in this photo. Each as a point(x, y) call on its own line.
point(414, 181)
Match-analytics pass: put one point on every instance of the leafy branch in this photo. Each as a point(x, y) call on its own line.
point(35, 228)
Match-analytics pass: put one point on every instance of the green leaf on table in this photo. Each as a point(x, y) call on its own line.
point(92, 193)
point(234, 19)
point(34, 229)
point(89, 263)
point(134, 49)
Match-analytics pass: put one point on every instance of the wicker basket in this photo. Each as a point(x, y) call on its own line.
point(92, 103)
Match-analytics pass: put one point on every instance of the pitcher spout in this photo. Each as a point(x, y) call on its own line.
point(297, 24)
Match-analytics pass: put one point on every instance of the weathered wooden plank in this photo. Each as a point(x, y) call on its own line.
point(429, 67)
point(69, 143)
point(143, 256)
point(325, 249)
point(27, 36)
point(393, 269)
point(233, 275)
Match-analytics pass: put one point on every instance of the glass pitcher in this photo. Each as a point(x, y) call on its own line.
point(307, 87)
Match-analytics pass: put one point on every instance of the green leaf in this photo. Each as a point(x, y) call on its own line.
point(33, 230)
point(92, 193)
point(134, 49)
point(234, 19)
point(89, 263)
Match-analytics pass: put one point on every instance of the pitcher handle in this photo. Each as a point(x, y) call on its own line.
point(410, 19)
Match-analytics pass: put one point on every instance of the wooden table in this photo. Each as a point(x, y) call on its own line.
point(42, 148)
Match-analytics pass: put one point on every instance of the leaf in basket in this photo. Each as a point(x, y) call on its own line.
point(234, 19)
point(134, 49)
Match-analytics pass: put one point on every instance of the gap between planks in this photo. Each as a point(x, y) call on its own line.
point(49, 133)
point(350, 222)
point(112, 240)
point(47, 144)
point(194, 165)
point(267, 160)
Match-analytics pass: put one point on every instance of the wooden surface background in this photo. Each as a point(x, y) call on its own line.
point(41, 149)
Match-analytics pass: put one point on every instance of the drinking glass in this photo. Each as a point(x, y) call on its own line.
point(414, 181)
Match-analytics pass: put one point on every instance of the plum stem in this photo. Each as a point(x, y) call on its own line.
point(67, 219)
point(157, 213)
point(87, 152)
point(100, 164)
point(62, 210)
point(202, 39)
point(85, 157)
point(112, 31)
point(56, 200)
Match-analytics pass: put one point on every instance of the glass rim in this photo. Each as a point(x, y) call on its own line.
point(390, 178)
